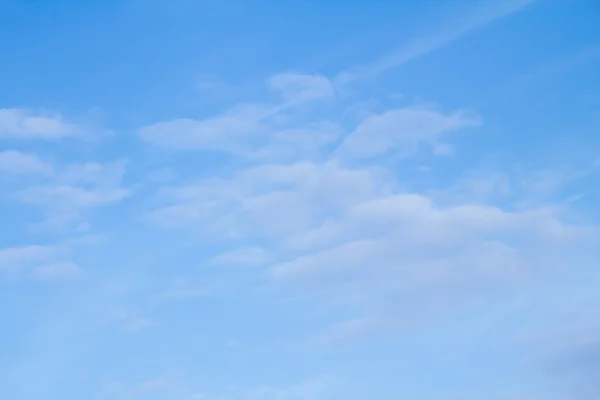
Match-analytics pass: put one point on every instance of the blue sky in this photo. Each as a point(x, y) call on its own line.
point(310, 200)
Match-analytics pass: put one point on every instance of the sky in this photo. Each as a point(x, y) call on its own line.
point(300, 200)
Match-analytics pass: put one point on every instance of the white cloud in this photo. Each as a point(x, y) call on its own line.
point(523, 187)
point(404, 243)
point(244, 256)
point(20, 257)
point(400, 131)
point(26, 124)
point(71, 191)
point(301, 88)
point(255, 131)
point(151, 385)
point(94, 173)
point(232, 131)
point(296, 144)
point(353, 236)
point(121, 316)
point(258, 201)
point(390, 264)
point(357, 237)
point(70, 197)
point(446, 33)
point(39, 262)
point(139, 324)
point(58, 270)
point(15, 162)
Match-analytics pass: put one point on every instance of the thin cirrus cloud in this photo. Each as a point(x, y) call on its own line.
point(477, 17)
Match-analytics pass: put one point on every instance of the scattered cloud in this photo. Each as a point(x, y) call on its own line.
point(40, 262)
point(244, 256)
point(27, 125)
point(356, 236)
point(70, 197)
point(401, 131)
point(230, 131)
point(59, 270)
point(15, 162)
point(255, 130)
point(300, 88)
point(405, 246)
point(19, 257)
point(71, 191)
point(325, 217)
point(258, 200)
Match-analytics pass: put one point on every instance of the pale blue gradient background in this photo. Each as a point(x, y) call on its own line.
point(148, 254)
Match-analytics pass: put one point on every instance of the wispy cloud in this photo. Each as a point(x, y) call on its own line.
point(482, 14)
point(15, 162)
point(401, 131)
point(254, 130)
point(68, 192)
point(225, 252)
point(40, 262)
point(59, 270)
point(27, 125)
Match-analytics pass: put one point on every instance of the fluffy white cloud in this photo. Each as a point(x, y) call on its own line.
point(270, 200)
point(259, 130)
point(355, 236)
point(400, 131)
point(263, 132)
point(15, 162)
point(403, 246)
point(232, 131)
point(26, 124)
